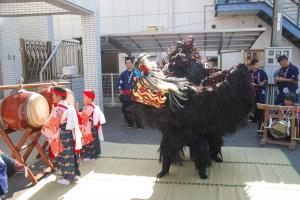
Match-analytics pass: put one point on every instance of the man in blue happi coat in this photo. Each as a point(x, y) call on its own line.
point(259, 80)
point(287, 80)
point(126, 83)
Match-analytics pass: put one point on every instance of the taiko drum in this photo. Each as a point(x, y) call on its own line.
point(24, 110)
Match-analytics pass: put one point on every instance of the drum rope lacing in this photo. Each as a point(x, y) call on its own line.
point(26, 108)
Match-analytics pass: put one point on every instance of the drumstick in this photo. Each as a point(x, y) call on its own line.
point(30, 86)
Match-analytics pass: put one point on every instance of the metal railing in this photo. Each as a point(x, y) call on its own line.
point(34, 55)
point(48, 75)
point(230, 1)
point(65, 53)
point(291, 8)
point(271, 94)
point(110, 89)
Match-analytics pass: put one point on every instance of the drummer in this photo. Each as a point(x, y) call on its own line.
point(92, 119)
point(64, 136)
point(289, 99)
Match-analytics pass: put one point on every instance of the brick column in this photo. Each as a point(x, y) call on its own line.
point(92, 54)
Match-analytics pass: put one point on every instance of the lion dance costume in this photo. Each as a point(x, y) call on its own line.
point(191, 105)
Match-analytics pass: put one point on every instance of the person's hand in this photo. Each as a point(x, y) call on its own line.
point(281, 79)
point(289, 80)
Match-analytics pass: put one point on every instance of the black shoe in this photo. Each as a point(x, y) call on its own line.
point(141, 128)
point(252, 119)
point(130, 126)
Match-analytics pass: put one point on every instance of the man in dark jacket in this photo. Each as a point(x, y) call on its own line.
point(126, 84)
point(287, 80)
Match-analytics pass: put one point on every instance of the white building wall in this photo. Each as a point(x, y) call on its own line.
point(10, 55)
point(66, 27)
point(11, 31)
point(231, 59)
point(41, 28)
point(36, 28)
point(134, 16)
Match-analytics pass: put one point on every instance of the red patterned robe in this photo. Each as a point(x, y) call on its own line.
point(92, 118)
point(63, 134)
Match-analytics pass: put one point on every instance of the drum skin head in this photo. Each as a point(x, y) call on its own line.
point(279, 129)
point(37, 110)
point(24, 110)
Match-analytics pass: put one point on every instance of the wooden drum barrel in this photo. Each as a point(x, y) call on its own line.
point(46, 92)
point(24, 109)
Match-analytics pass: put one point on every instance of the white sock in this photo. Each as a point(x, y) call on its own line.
point(63, 181)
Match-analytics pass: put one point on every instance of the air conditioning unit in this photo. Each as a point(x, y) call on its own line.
point(69, 70)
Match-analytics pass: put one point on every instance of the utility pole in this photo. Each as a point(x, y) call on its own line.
point(277, 23)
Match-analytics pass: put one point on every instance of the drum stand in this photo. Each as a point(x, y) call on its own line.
point(29, 135)
point(268, 109)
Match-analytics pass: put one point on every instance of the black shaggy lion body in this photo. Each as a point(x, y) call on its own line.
point(218, 103)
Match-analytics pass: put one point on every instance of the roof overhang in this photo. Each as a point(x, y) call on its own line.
point(213, 40)
point(20, 8)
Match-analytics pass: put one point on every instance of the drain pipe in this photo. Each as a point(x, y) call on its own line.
point(276, 37)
